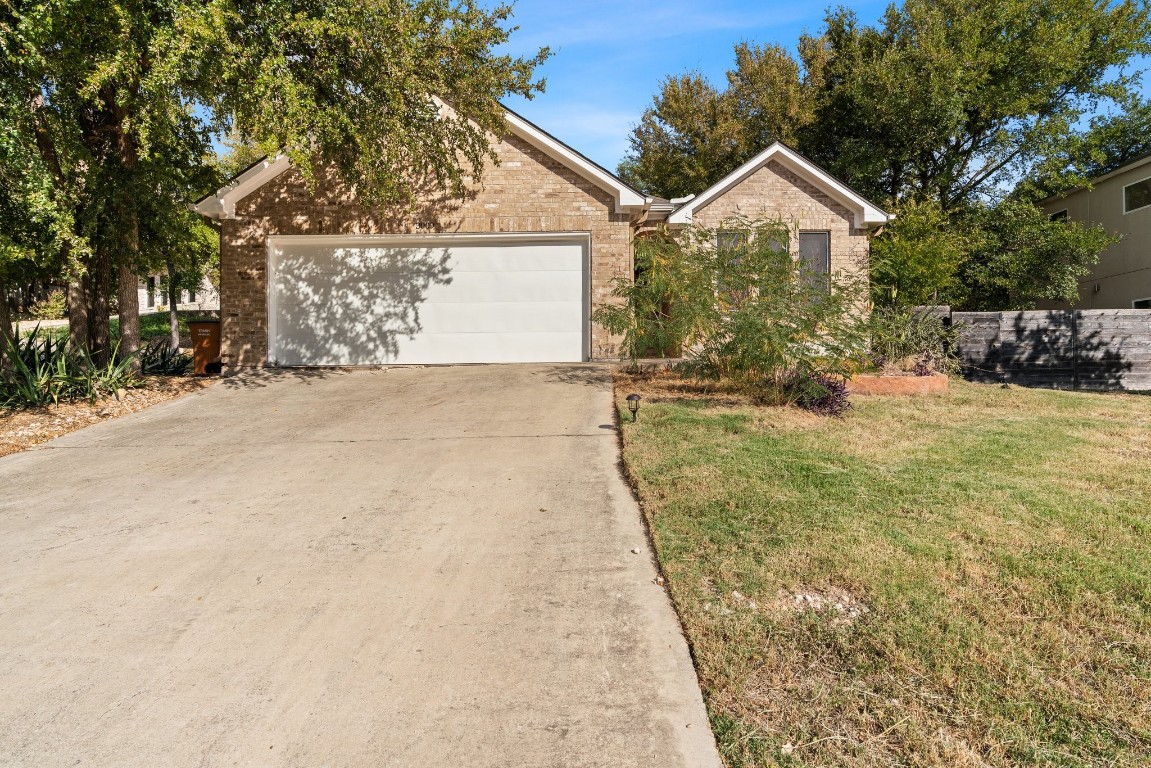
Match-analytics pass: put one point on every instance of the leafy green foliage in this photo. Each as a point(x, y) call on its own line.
point(656, 314)
point(917, 258)
point(1022, 257)
point(973, 93)
point(693, 134)
point(1007, 256)
point(749, 314)
point(906, 339)
point(1110, 142)
point(44, 370)
point(51, 307)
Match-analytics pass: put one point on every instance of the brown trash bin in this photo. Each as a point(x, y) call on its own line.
point(205, 344)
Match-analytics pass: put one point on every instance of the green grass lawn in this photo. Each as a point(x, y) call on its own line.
point(959, 580)
point(153, 325)
point(157, 324)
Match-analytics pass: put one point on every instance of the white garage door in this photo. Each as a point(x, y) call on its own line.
point(368, 301)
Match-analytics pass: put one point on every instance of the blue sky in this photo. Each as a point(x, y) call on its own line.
point(609, 57)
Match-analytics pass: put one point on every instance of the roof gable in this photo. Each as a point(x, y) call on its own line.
point(865, 213)
point(222, 204)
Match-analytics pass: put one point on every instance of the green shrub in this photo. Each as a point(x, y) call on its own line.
point(910, 340)
point(745, 311)
point(54, 306)
point(41, 371)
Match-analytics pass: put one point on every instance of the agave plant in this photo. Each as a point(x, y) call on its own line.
point(43, 371)
point(159, 359)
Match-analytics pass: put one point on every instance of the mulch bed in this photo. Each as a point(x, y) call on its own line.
point(21, 429)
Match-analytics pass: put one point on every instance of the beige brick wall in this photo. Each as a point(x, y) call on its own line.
point(773, 193)
point(527, 192)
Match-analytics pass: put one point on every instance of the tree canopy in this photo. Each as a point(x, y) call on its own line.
point(944, 99)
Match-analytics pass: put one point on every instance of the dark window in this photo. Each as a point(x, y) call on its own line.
point(730, 241)
point(815, 251)
point(1137, 195)
point(151, 292)
point(192, 297)
point(1141, 304)
point(1058, 215)
point(731, 246)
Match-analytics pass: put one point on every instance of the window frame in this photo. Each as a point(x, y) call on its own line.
point(1126, 210)
point(826, 233)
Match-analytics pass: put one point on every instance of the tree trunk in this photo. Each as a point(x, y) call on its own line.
point(129, 312)
point(99, 288)
point(129, 256)
point(5, 325)
point(77, 314)
point(173, 300)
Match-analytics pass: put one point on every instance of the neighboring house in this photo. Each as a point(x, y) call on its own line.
point(153, 295)
point(1121, 202)
point(508, 274)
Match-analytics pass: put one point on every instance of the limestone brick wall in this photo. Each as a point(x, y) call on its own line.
point(774, 193)
point(527, 192)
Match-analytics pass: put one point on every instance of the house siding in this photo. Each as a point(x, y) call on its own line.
point(527, 191)
point(1123, 273)
point(774, 193)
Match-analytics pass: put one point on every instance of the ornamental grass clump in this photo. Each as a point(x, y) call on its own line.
point(741, 309)
point(912, 340)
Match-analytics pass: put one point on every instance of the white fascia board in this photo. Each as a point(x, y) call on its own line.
point(865, 213)
point(626, 198)
point(222, 205)
point(433, 239)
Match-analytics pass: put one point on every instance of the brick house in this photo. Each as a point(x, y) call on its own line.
point(510, 273)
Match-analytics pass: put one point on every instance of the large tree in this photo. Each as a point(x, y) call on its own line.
point(694, 133)
point(117, 103)
point(943, 99)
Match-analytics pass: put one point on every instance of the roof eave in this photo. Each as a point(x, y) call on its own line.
point(627, 199)
point(865, 214)
point(222, 205)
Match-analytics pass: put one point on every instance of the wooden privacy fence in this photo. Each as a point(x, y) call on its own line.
point(1063, 349)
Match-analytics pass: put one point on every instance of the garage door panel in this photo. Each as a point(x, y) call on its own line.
point(318, 297)
point(519, 258)
point(448, 348)
point(459, 304)
point(486, 317)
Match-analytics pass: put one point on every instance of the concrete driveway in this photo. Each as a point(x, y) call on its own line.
point(405, 567)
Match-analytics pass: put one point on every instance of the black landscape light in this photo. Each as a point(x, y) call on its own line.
point(633, 405)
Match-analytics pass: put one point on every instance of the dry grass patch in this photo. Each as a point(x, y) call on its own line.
point(21, 429)
point(959, 580)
